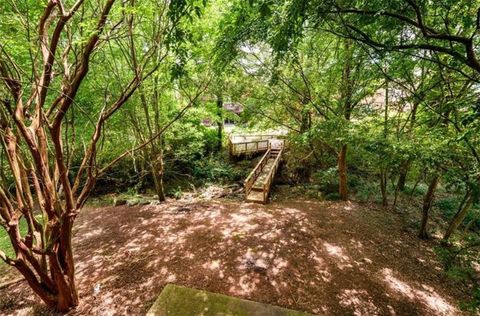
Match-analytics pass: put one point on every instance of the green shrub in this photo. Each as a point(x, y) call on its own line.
point(327, 179)
point(457, 263)
point(419, 190)
point(215, 169)
point(175, 193)
point(366, 190)
point(449, 206)
point(332, 196)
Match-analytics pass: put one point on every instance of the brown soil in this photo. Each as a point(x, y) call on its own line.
point(335, 258)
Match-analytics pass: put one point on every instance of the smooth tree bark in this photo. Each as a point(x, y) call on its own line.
point(459, 217)
point(384, 169)
point(427, 205)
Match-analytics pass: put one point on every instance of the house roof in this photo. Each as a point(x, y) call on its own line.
point(233, 107)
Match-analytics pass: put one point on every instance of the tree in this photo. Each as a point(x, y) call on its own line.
point(405, 26)
point(37, 94)
point(416, 25)
point(427, 205)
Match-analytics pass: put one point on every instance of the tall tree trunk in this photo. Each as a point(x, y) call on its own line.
point(140, 186)
point(427, 205)
point(220, 122)
point(383, 187)
point(406, 164)
point(402, 178)
point(158, 169)
point(342, 171)
point(347, 93)
point(459, 216)
point(306, 120)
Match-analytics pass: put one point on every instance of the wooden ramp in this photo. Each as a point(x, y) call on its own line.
point(259, 182)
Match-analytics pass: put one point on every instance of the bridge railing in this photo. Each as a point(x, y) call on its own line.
point(271, 174)
point(252, 177)
point(246, 144)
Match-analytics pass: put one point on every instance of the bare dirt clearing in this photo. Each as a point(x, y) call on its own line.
point(336, 258)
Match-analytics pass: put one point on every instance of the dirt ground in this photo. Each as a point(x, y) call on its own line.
point(327, 258)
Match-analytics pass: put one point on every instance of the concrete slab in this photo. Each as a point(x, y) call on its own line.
point(182, 301)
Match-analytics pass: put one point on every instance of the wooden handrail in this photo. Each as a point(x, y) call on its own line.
point(255, 137)
point(234, 146)
point(271, 174)
point(256, 172)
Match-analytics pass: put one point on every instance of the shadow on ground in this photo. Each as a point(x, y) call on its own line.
point(334, 258)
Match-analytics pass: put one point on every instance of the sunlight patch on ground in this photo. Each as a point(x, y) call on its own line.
point(335, 251)
point(349, 206)
point(279, 264)
point(338, 253)
point(359, 301)
point(356, 243)
point(247, 284)
point(320, 267)
point(428, 296)
point(94, 232)
point(212, 265)
point(242, 249)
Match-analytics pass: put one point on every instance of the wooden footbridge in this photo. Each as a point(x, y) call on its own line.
point(259, 181)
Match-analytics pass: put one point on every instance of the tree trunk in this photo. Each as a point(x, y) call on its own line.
point(306, 119)
point(65, 280)
point(220, 122)
point(427, 205)
point(383, 187)
point(157, 172)
point(56, 287)
point(346, 94)
point(402, 179)
point(140, 186)
point(342, 172)
point(459, 217)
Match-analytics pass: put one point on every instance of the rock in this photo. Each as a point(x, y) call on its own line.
point(118, 202)
point(213, 192)
point(138, 201)
point(183, 209)
point(258, 266)
point(144, 202)
point(132, 202)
